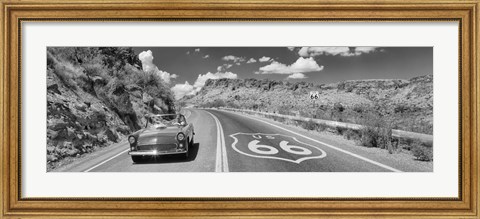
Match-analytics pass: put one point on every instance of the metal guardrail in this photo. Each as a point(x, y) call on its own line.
point(400, 134)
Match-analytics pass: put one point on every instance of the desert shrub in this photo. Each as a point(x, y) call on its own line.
point(358, 108)
point(233, 105)
point(284, 109)
point(338, 107)
point(421, 152)
point(377, 132)
point(92, 70)
point(305, 113)
point(369, 137)
point(400, 108)
point(340, 130)
point(309, 125)
point(321, 127)
point(219, 103)
point(351, 134)
point(279, 119)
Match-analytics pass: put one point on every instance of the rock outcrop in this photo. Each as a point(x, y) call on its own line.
point(89, 109)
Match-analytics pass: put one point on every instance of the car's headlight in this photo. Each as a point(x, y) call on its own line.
point(180, 136)
point(131, 139)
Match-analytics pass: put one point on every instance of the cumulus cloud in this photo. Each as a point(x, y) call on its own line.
point(188, 52)
point(206, 56)
point(197, 50)
point(235, 59)
point(224, 67)
point(342, 51)
point(264, 59)
point(302, 65)
point(251, 60)
point(147, 65)
point(180, 90)
point(291, 48)
point(297, 76)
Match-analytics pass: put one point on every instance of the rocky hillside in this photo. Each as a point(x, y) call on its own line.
point(96, 96)
point(404, 104)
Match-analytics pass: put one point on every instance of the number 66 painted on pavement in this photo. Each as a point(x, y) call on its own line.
point(269, 150)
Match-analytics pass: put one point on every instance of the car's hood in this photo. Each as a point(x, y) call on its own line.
point(165, 135)
point(161, 130)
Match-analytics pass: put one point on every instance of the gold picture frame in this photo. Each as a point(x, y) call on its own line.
point(15, 12)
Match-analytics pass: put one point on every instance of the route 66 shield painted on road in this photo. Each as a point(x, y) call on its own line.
point(275, 146)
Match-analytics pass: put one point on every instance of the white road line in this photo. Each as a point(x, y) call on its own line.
point(224, 149)
point(330, 146)
point(109, 159)
point(221, 161)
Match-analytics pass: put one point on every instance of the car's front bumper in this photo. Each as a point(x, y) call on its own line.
point(155, 153)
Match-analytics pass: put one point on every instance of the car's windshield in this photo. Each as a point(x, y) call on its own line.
point(159, 121)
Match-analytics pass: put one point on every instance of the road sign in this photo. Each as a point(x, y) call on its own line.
point(314, 95)
point(275, 146)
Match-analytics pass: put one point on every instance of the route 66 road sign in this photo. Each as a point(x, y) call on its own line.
point(314, 95)
point(275, 146)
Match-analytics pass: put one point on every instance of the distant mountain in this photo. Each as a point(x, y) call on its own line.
point(95, 96)
point(406, 104)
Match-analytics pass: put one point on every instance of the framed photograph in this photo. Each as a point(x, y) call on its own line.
point(251, 109)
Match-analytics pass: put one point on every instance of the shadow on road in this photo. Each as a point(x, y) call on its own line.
point(174, 158)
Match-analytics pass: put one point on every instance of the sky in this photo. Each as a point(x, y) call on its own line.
point(186, 69)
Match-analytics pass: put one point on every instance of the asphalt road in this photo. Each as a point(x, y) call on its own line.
point(232, 142)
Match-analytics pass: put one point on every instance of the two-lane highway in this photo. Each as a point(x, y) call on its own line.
point(232, 142)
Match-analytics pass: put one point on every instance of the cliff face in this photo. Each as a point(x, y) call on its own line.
point(95, 98)
point(407, 103)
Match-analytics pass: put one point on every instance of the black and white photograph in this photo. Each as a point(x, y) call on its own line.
point(240, 109)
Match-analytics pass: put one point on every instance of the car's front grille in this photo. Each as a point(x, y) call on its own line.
point(158, 147)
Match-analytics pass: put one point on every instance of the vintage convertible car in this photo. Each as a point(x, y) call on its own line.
point(163, 134)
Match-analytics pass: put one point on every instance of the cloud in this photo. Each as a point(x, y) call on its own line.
point(302, 65)
point(225, 67)
point(264, 59)
point(251, 60)
point(342, 51)
point(297, 76)
point(188, 52)
point(147, 65)
point(206, 56)
point(197, 50)
point(291, 48)
point(180, 90)
point(235, 59)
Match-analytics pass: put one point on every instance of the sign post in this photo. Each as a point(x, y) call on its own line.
point(314, 95)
